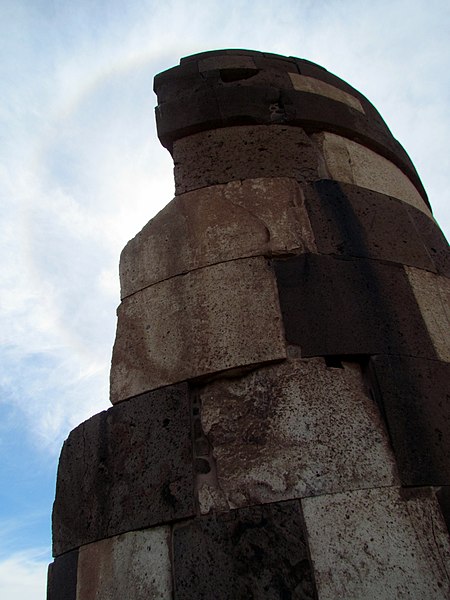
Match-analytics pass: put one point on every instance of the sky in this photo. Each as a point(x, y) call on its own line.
point(82, 171)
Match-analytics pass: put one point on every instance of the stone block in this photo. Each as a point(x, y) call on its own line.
point(244, 152)
point(350, 162)
point(434, 240)
point(217, 224)
point(383, 543)
point(259, 553)
point(220, 317)
point(443, 496)
point(332, 306)
point(62, 577)
point(124, 469)
point(352, 221)
point(226, 62)
point(303, 83)
point(134, 565)
point(294, 429)
point(432, 294)
point(414, 396)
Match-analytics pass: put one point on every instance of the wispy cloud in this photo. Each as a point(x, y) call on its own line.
point(23, 575)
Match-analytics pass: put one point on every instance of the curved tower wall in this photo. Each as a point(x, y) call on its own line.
point(280, 375)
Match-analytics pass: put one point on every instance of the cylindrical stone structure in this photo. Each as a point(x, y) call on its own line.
point(280, 375)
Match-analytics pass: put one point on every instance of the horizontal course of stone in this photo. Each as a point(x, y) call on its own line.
point(281, 370)
point(242, 88)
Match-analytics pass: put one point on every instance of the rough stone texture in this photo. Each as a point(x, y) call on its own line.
point(354, 306)
point(295, 429)
point(312, 85)
point(235, 153)
point(433, 297)
point(219, 317)
point(135, 565)
point(354, 221)
point(434, 240)
point(62, 577)
point(382, 543)
point(126, 468)
point(443, 496)
point(414, 397)
point(350, 162)
point(217, 224)
point(257, 553)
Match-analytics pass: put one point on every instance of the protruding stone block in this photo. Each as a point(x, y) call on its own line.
point(354, 221)
point(217, 224)
point(258, 553)
point(135, 565)
point(295, 429)
point(244, 152)
point(350, 162)
point(414, 395)
point(216, 318)
point(124, 469)
point(354, 306)
point(62, 577)
point(383, 543)
point(432, 294)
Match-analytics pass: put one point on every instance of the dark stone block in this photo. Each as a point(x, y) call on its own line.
point(354, 306)
point(315, 113)
point(434, 240)
point(259, 553)
point(235, 153)
point(124, 469)
point(352, 221)
point(413, 394)
point(62, 577)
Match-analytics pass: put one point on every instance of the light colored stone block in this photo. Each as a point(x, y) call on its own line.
point(292, 430)
point(432, 293)
point(378, 544)
point(264, 216)
point(351, 162)
point(302, 83)
point(220, 317)
point(133, 565)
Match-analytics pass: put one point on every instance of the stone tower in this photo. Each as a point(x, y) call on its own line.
point(280, 376)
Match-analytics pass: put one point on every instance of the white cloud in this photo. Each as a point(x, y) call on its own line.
point(23, 576)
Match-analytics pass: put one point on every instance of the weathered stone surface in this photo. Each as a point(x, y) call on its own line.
point(350, 162)
point(219, 317)
point(126, 468)
point(443, 496)
point(303, 83)
point(216, 224)
point(354, 306)
point(434, 240)
point(244, 152)
point(433, 297)
point(414, 397)
point(257, 553)
point(62, 577)
point(295, 429)
point(354, 221)
point(135, 565)
point(383, 543)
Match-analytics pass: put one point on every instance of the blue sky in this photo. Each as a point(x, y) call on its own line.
point(81, 172)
